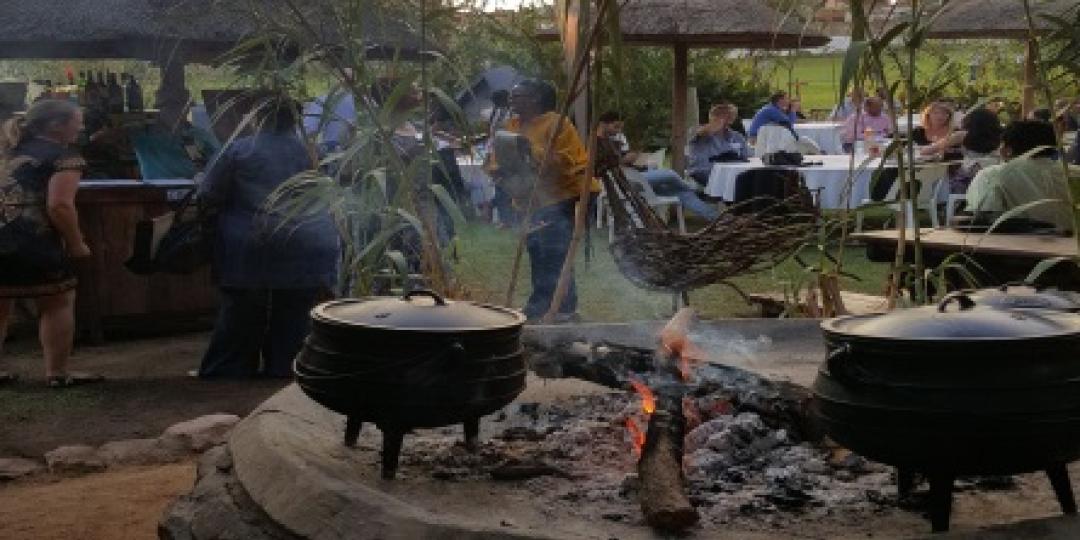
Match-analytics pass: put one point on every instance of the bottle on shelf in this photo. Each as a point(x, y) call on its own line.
point(103, 93)
point(116, 95)
point(134, 96)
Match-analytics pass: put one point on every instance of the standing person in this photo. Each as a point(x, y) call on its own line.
point(665, 182)
point(39, 227)
point(715, 141)
point(270, 268)
point(558, 190)
point(775, 112)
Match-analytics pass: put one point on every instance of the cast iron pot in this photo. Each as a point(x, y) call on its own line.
point(955, 389)
point(416, 361)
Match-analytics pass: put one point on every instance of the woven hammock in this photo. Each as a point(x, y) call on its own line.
point(748, 237)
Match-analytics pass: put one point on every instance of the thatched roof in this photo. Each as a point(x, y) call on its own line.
point(201, 30)
point(710, 23)
point(995, 19)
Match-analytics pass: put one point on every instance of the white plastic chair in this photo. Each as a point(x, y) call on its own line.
point(655, 201)
point(930, 178)
point(774, 139)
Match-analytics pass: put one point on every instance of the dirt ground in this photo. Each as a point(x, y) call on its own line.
point(147, 391)
point(116, 505)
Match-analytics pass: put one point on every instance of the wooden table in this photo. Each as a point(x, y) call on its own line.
point(1006, 257)
point(111, 297)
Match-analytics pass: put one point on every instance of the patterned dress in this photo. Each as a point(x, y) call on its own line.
point(33, 261)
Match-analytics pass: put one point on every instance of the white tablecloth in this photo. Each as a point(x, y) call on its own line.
point(481, 189)
point(830, 178)
point(825, 134)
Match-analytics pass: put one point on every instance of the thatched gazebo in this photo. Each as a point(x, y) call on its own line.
point(682, 24)
point(170, 33)
point(1001, 19)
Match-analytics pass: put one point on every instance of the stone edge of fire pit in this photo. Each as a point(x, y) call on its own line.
point(275, 463)
point(786, 334)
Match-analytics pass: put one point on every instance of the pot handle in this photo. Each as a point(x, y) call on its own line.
point(960, 297)
point(835, 360)
point(439, 300)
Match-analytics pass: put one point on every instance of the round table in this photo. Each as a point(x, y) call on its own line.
point(830, 178)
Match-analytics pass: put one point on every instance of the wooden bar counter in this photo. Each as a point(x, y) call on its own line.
point(109, 295)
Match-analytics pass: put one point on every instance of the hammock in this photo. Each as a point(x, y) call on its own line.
point(748, 237)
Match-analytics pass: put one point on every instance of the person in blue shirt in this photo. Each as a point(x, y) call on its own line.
point(715, 141)
point(665, 182)
point(331, 119)
point(270, 268)
point(776, 112)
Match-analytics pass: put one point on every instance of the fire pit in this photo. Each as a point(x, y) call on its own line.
point(562, 461)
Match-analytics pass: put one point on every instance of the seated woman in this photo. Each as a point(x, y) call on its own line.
point(664, 182)
point(1024, 179)
point(936, 135)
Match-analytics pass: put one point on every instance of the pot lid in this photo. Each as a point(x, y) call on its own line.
point(418, 310)
point(957, 317)
point(1027, 297)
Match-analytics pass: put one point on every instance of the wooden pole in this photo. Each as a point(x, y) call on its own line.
point(678, 107)
point(1028, 103)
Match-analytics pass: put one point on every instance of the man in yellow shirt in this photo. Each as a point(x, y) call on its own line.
point(558, 188)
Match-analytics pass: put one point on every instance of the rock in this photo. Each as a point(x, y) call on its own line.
point(137, 452)
point(12, 468)
point(74, 459)
point(199, 434)
point(219, 508)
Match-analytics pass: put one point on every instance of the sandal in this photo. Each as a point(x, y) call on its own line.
point(72, 379)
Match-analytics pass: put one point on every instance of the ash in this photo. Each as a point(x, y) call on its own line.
point(576, 457)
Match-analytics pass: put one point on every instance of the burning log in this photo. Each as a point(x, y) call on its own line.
point(664, 502)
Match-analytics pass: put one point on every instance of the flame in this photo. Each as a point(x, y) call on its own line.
point(648, 399)
point(637, 436)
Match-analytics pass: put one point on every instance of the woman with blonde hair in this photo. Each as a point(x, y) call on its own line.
point(39, 227)
point(936, 133)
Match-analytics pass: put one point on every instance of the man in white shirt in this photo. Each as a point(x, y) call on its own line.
point(1025, 178)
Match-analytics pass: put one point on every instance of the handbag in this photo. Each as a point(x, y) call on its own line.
point(175, 242)
point(782, 159)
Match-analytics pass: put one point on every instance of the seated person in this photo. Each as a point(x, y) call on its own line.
point(775, 112)
point(715, 141)
point(873, 118)
point(1023, 179)
point(795, 108)
point(172, 147)
point(664, 182)
point(980, 138)
point(848, 107)
point(936, 135)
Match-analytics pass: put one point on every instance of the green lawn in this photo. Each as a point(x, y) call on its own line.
point(605, 295)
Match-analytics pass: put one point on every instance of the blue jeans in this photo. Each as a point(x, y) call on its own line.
point(254, 324)
point(667, 183)
point(548, 246)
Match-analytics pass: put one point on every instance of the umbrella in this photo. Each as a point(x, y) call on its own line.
point(730, 24)
point(1000, 19)
point(193, 30)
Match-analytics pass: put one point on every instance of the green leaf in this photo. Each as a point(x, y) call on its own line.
point(1046, 265)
